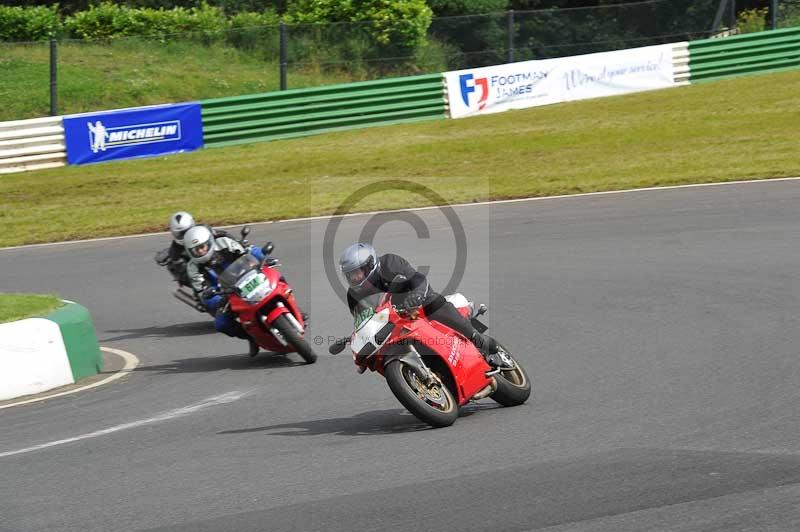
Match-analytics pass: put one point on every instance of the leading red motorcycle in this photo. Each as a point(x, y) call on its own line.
point(265, 305)
point(431, 369)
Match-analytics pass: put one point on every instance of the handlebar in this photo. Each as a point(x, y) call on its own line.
point(211, 292)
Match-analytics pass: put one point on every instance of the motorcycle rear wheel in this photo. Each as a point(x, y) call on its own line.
point(513, 385)
point(434, 405)
point(294, 339)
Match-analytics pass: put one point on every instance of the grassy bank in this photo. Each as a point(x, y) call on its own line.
point(729, 130)
point(19, 306)
point(132, 72)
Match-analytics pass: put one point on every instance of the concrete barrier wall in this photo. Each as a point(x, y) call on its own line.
point(39, 354)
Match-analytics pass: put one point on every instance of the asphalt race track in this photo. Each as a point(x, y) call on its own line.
point(661, 329)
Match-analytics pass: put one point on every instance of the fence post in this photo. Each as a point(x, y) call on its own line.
point(53, 78)
point(718, 18)
point(773, 15)
point(510, 30)
point(284, 54)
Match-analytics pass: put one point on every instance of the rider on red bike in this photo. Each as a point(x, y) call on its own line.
point(368, 274)
point(210, 256)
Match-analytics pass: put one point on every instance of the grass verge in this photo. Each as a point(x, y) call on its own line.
point(20, 306)
point(744, 128)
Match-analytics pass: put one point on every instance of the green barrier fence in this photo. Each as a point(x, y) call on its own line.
point(299, 112)
point(766, 51)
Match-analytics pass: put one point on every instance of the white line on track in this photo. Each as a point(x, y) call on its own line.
point(131, 361)
point(455, 206)
point(166, 416)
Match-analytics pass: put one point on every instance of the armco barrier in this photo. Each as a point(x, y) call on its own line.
point(32, 144)
point(680, 62)
point(299, 112)
point(766, 51)
point(39, 354)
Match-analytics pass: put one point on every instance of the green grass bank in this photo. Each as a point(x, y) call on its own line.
point(133, 72)
point(15, 307)
point(744, 128)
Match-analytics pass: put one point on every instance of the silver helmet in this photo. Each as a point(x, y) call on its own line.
point(359, 263)
point(199, 243)
point(179, 223)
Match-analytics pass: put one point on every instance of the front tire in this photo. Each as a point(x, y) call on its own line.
point(513, 385)
point(294, 339)
point(435, 405)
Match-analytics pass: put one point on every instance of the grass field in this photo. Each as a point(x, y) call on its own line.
point(728, 130)
point(18, 306)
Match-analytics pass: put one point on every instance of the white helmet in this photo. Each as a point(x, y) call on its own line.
point(199, 243)
point(179, 223)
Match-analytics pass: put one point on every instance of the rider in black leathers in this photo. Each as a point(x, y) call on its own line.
point(368, 274)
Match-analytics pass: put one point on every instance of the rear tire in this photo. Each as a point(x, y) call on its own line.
point(513, 385)
point(293, 338)
point(434, 405)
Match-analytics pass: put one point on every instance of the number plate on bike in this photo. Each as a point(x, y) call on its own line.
point(253, 286)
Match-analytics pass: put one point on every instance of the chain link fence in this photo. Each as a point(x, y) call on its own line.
point(788, 14)
point(124, 72)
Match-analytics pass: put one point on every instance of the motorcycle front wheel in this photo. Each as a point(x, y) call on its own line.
point(432, 403)
point(513, 385)
point(294, 339)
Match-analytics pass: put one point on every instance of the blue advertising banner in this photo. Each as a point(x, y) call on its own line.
point(131, 133)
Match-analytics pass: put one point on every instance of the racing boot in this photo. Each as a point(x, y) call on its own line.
point(488, 348)
point(254, 347)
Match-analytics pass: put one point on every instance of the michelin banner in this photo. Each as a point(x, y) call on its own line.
point(132, 133)
point(533, 83)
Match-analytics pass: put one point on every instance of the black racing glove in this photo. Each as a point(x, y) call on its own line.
point(208, 293)
point(413, 300)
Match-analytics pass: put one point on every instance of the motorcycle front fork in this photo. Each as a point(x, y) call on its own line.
point(413, 359)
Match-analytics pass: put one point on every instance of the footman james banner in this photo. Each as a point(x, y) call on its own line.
point(542, 82)
point(131, 133)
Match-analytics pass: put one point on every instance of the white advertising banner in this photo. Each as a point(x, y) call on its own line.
point(542, 82)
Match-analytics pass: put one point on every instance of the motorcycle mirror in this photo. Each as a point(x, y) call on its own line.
point(267, 249)
point(245, 231)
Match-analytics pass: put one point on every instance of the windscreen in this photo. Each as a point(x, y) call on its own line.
point(237, 269)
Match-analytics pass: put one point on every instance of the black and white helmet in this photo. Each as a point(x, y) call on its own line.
point(359, 263)
point(199, 243)
point(179, 223)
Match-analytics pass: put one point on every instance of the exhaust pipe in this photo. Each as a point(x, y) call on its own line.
point(486, 392)
point(183, 297)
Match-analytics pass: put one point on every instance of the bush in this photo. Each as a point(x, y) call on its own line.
point(256, 32)
point(448, 8)
point(29, 24)
point(399, 25)
point(109, 20)
point(752, 20)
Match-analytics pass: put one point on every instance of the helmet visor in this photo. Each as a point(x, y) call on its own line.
point(200, 250)
point(357, 276)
